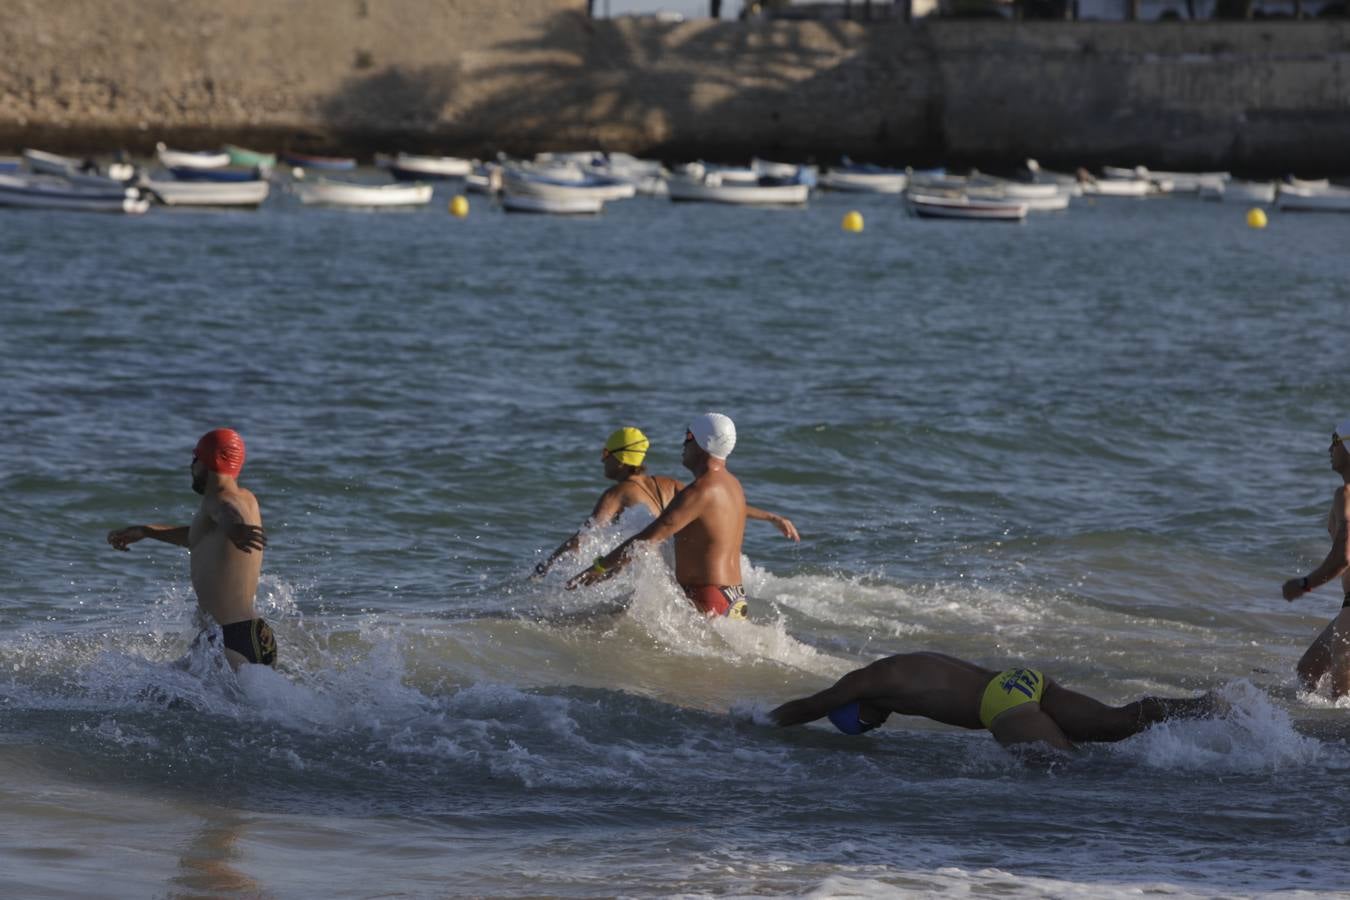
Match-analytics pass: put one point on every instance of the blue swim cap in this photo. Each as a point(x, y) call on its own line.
point(848, 720)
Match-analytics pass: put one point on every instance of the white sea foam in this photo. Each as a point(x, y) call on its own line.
point(1253, 736)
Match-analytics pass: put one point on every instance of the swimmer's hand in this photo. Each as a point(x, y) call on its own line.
point(540, 570)
point(122, 538)
point(784, 524)
point(1293, 589)
point(587, 578)
point(247, 537)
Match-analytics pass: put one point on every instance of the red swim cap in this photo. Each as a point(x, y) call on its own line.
point(221, 450)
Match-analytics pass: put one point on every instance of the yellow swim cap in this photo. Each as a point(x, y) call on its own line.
point(628, 446)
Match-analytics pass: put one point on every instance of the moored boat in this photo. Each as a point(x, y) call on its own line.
point(1037, 197)
point(309, 161)
point(579, 204)
point(54, 192)
point(695, 183)
point(1117, 187)
point(1302, 199)
point(252, 159)
point(1236, 191)
point(486, 178)
point(229, 174)
point(864, 178)
point(563, 181)
point(185, 159)
point(172, 192)
point(327, 192)
point(933, 206)
point(407, 167)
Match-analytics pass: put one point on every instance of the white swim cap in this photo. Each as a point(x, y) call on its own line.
point(715, 433)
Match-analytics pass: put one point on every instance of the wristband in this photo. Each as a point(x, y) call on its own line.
point(1303, 584)
point(599, 566)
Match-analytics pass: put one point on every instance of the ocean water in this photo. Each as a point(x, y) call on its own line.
point(1095, 442)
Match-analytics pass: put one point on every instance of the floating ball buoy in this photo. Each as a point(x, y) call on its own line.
point(853, 221)
point(1256, 217)
point(459, 206)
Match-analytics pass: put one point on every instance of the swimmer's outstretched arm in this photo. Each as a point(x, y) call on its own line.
point(856, 685)
point(607, 510)
point(169, 534)
point(685, 508)
point(782, 523)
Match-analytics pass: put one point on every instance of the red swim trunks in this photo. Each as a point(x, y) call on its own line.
point(718, 599)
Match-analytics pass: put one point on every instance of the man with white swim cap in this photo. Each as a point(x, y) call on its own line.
point(707, 520)
point(226, 542)
point(1017, 705)
point(1330, 652)
point(624, 456)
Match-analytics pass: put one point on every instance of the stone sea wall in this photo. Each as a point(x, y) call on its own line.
point(470, 77)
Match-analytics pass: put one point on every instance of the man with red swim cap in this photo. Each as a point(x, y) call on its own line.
point(226, 542)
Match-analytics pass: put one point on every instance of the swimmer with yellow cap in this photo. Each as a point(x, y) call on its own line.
point(1019, 706)
point(624, 458)
point(706, 522)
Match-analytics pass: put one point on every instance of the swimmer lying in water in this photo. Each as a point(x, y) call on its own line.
point(1018, 706)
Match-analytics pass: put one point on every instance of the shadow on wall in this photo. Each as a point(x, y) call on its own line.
point(717, 90)
point(395, 100)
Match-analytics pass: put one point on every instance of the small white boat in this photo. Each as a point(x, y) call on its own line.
point(53, 192)
point(171, 192)
point(486, 178)
point(694, 183)
point(807, 175)
point(1194, 182)
point(84, 172)
point(328, 192)
point(408, 167)
point(861, 178)
point(182, 159)
point(563, 181)
point(933, 206)
point(577, 205)
point(1037, 197)
point(1306, 184)
point(1327, 199)
point(1117, 187)
point(1234, 191)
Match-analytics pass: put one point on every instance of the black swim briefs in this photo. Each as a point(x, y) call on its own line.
point(253, 640)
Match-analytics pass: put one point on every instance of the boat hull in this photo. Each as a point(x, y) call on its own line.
point(47, 192)
point(864, 182)
point(685, 190)
point(558, 206)
point(364, 196)
point(208, 193)
point(932, 207)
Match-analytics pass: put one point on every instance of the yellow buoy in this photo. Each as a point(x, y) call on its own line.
point(853, 221)
point(459, 206)
point(1256, 217)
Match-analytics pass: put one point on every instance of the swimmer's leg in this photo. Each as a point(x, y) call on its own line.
point(1329, 653)
point(235, 658)
point(1028, 724)
point(1082, 718)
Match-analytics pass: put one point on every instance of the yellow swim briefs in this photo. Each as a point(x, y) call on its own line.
point(1010, 689)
